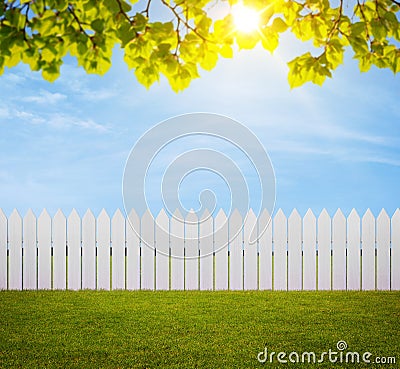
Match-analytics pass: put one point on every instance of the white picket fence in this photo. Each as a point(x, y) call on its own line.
point(292, 254)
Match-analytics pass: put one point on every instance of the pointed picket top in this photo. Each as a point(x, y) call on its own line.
point(264, 222)
point(250, 227)
point(59, 215)
point(15, 214)
point(29, 216)
point(309, 216)
point(294, 216)
point(235, 221)
point(220, 217)
point(162, 224)
point(339, 215)
point(147, 217)
point(383, 226)
point(353, 216)
point(235, 225)
point(162, 217)
point(251, 214)
point(177, 216)
point(44, 215)
point(88, 217)
point(44, 226)
point(324, 215)
point(118, 216)
point(191, 217)
point(205, 216)
point(383, 216)
point(368, 214)
point(103, 215)
point(396, 216)
point(280, 216)
point(265, 216)
point(74, 217)
point(133, 222)
point(236, 213)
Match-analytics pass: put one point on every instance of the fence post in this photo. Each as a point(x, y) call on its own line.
point(103, 251)
point(353, 251)
point(89, 251)
point(309, 251)
point(206, 251)
point(162, 248)
point(221, 238)
point(235, 251)
point(294, 251)
point(44, 251)
point(280, 251)
point(383, 251)
point(118, 251)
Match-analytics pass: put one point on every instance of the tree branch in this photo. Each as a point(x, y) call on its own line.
point(81, 29)
point(146, 11)
point(183, 21)
point(121, 11)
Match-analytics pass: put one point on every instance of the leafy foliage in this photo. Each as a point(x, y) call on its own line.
point(42, 32)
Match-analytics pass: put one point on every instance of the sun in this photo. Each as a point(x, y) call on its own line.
point(246, 19)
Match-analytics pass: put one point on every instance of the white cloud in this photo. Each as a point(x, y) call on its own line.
point(67, 121)
point(45, 97)
point(4, 112)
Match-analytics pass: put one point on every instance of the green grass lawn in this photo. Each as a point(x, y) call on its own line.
point(89, 329)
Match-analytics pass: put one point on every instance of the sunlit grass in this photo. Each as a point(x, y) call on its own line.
point(170, 329)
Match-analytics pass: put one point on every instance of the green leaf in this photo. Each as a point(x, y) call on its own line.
point(97, 25)
point(269, 39)
point(226, 51)
point(279, 26)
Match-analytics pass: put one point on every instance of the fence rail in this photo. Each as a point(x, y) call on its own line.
point(293, 253)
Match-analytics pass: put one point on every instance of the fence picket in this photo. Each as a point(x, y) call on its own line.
point(44, 250)
point(133, 251)
point(59, 251)
point(324, 251)
point(395, 264)
point(162, 248)
point(353, 251)
point(280, 251)
point(309, 251)
point(29, 272)
point(191, 252)
point(250, 253)
point(89, 251)
point(147, 251)
point(103, 251)
point(206, 251)
point(265, 251)
point(15, 251)
point(177, 251)
point(339, 251)
point(383, 251)
point(118, 251)
point(294, 251)
point(3, 251)
point(221, 238)
point(74, 251)
point(368, 251)
point(235, 251)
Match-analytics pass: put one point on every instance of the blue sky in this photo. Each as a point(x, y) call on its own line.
point(64, 145)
